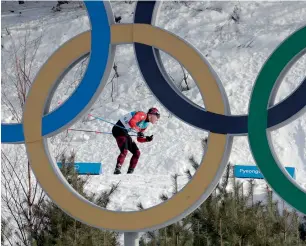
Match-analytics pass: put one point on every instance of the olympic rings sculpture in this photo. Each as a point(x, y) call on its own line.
point(100, 43)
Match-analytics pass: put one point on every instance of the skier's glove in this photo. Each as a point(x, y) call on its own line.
point(149, 139)
point(140, 135)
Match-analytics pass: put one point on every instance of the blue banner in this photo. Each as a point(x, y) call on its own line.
point(241, 171)
point(84, 168)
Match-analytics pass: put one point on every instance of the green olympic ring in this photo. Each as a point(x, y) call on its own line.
point(259, 136)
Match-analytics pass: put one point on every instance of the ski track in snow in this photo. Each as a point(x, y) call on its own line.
point(263, 25)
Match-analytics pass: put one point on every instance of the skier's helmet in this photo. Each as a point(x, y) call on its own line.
point(154, 111)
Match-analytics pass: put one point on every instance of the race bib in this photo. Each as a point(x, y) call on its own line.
point(126, 118)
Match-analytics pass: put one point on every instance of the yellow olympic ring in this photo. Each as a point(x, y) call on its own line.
point(52, 181)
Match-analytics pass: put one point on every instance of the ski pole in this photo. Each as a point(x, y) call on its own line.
point(98, 118)
point(82, 130)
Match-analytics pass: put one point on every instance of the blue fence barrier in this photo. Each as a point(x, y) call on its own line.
point(241, 171)
point(85, 168)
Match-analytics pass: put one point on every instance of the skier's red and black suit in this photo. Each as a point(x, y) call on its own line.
point(124, 140)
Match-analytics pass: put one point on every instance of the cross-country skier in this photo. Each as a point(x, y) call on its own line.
point(138, 121)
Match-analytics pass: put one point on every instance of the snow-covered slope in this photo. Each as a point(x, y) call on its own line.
point(236, 50)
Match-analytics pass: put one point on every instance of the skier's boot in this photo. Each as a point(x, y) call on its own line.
point(130, 170)
point(117, 169)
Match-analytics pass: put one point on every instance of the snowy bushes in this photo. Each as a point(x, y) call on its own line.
point(33, 219)
point(230, 216)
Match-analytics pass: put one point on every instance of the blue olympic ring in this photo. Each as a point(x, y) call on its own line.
point(77, 102)
point(184, 109)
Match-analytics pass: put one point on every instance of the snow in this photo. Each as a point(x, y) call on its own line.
point(236, 51)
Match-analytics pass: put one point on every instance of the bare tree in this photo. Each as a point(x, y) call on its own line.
point(20, 194)
point(112, 81)
point(21, 191)
point(185, 79)
point(20, 72)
